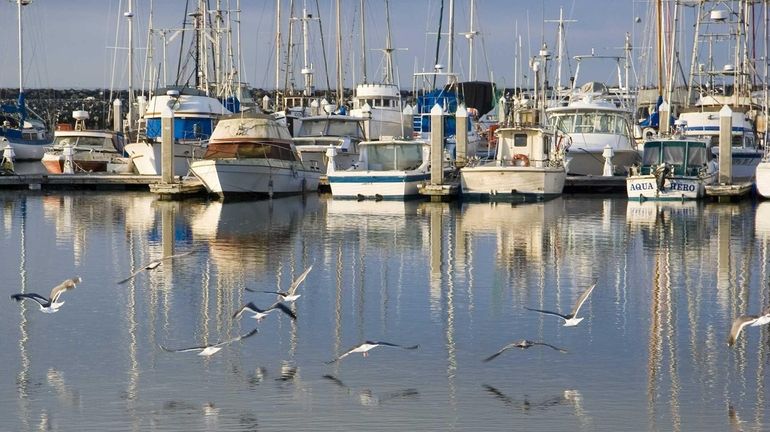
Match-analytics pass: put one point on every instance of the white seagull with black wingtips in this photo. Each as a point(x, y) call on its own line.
point(289, 295)
point(368, 345)
point(207, 350)
point(523, 344)
point(261, 313)
point(152, 265)
point(570, 319)
point(52, 303)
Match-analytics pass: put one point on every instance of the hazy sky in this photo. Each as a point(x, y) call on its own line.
point(72, 43)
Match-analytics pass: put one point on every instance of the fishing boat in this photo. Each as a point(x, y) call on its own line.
point(528, 165)
point(675, 168)
point(252, 154)
point(387, 169)
point(86, 150)
point(317, 133)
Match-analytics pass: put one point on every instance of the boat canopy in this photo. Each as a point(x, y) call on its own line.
point(686, 158)
point(393, 155)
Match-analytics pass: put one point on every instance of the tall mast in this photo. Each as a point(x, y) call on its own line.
point(451, 42)
point(388, 47)
point(659, 8)
point(277, 46)
point(560, 44)
point(470, 35)
point(307, 69)
point(363, 40)
point(21, 103)
point(130, 16)
point(339, 55)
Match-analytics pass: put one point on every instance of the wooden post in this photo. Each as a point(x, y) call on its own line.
point(437, 145)
point(725, 145)
point(664, 119)
point(167, 144)
point(461, 137)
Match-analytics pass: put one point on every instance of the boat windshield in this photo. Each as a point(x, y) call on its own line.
point(394, 157)
point(84, 142)
point(590, 122)
point(686, 158)
point(331, 127)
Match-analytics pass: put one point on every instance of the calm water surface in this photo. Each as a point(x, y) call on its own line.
point(651, 353)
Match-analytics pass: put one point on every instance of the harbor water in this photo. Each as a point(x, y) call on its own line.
point(651, 353)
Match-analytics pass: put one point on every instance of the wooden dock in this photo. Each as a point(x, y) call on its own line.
point(595, 184)
point(77, 181)
point(728, 192)
point(183, 189)
point(440, 192)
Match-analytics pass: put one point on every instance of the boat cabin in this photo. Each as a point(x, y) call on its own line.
point(526, 146)
point(683, 157)
point(396, 155)
point(325, 130)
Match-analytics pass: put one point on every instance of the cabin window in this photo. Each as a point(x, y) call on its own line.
point(651, 155)
point(345, 128)
point(696, 157)
point(673, 155)
point(520, 140)
point(394, 157)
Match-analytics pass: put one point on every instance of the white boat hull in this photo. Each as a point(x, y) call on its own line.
point(255, 176)
point(584, 162)
point(745, 163)
point(506, 182)
point(146, 157)
point(763, 178)
point(377, 184)
point(29, 151)
point(644, 187)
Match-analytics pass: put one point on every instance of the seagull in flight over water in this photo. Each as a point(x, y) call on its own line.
point(523, 344)
point(289, 295)
point(52, 303)
point(570, 319)
point(368, 345)
point(261, 313)
point(152, 265)
point(207, 350)
point(747, 320)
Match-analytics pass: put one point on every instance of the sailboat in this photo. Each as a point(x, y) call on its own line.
point(27, 137)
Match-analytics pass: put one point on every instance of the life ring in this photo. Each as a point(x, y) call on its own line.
point(492, 136)
point(648, 133)
point(520, 157)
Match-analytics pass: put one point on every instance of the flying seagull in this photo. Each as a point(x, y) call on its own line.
point(747, 320)
point(52, 303)
point(207, 350)
point(289, 295)
point(523, 344)
point(368, 345)
point(570, 319)
point(154, 264)
point(261, 313)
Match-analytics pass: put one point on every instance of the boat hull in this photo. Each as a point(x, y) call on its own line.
point(29, 150)
point(585, 162)
point(146, 157)
point(644, 187)
point(268, 177)
point(85, 162)
point(510, 182)
point(376, 184)
point(763, 179)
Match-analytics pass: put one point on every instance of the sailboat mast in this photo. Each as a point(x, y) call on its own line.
point(339, 55)
point(470, 36)
point(659, 8)
point(451, 41)
point(306, 70)
point(22, 108)
point(363, 40)
point(130, 17)
point(388, 47)
point(277, 47)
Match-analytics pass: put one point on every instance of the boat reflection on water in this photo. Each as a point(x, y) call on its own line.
point(241, 235)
